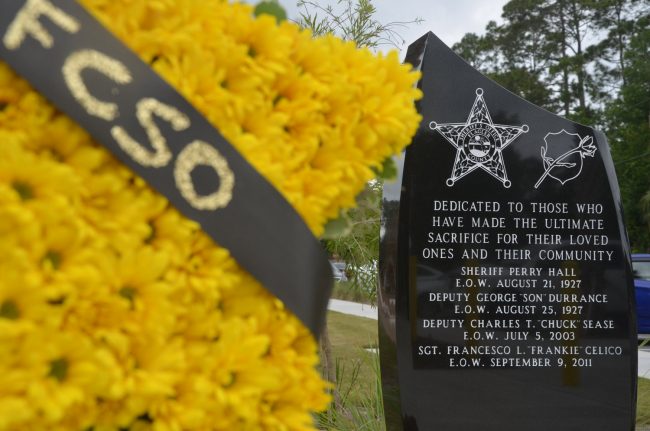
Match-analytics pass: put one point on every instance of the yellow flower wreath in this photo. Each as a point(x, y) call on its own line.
point(118, 313)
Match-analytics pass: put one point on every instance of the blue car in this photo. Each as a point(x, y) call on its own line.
point(641, 266)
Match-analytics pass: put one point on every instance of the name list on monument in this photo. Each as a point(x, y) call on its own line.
point(519, 299)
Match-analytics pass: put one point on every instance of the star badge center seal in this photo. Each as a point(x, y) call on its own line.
point(479, 142)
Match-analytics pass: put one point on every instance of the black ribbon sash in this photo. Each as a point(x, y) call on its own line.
point(69, 57)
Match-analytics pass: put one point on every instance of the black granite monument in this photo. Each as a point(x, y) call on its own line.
point(506, 298)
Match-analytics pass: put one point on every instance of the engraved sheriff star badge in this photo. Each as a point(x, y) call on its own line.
point(479, 142)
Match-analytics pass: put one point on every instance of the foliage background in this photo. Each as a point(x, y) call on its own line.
point(588, 60)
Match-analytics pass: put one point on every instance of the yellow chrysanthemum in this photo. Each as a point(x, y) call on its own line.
point(116, 312)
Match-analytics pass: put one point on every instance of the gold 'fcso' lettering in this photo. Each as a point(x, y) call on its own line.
point(26, 22)
point(200, 153)
point(145, 108)
point(195, 154)
point(92, 59)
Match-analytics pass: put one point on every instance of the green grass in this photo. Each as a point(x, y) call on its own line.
point(350, 335)
point(348, 291)
point(643, 402)
point(358, 405)
point(358, 376)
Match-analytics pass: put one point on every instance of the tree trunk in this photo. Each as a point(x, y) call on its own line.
point(619, 39)
point(565, 93)
point(579, 60)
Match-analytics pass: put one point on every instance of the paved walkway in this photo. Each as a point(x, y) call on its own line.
point(370, 312)
point(353, 308)
point(644, 363)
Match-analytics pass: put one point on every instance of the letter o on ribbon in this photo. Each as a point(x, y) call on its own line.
point(200, 153)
